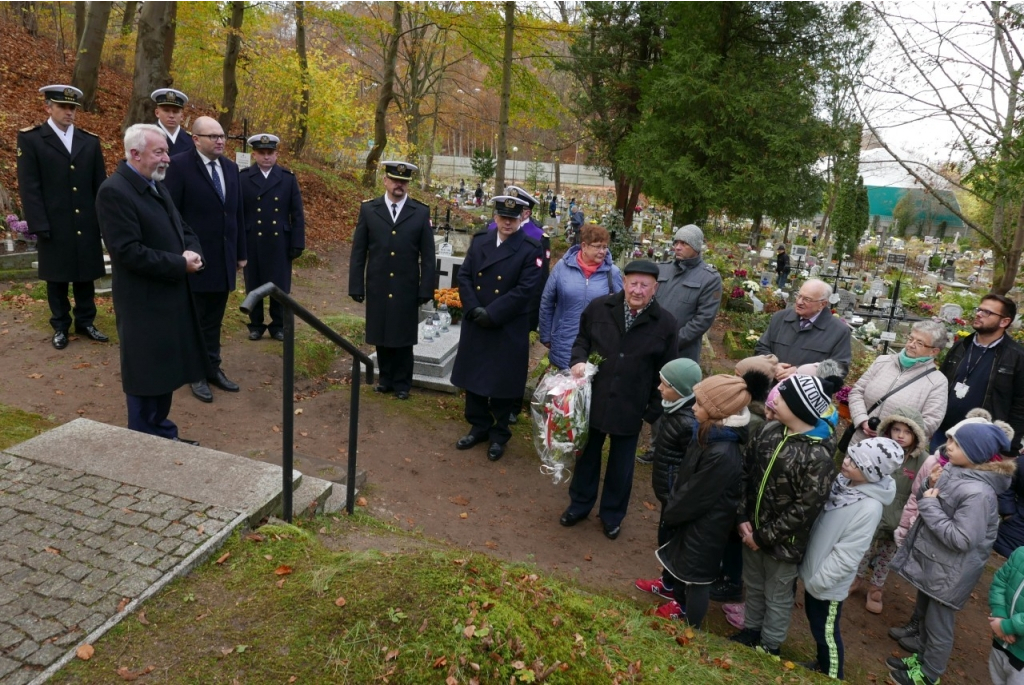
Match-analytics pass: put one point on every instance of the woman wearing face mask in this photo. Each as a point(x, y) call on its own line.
point(909, 380)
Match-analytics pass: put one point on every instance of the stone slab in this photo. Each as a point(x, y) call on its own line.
point(311, 495)
point(174, 468)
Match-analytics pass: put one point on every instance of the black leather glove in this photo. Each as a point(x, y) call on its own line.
point(473, 313)
point(294, 253)
point(43, 235)
point(357, 298)
point(423, 300)
point(482, 318)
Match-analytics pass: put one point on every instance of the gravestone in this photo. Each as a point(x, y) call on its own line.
point(950, 311)
point(847, 300)
point(446, 271)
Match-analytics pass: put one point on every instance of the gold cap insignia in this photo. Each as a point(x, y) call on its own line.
point(401, 168)
point(510, 203)
point(68, 93)
point(264, 139)
point(513, 192)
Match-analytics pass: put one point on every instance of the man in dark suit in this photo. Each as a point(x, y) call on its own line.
point(275, 229)
point(60, 168)
point(152, 253)
point(497, 282)
point(392, 267)
point(205, 188)
point(170, 111)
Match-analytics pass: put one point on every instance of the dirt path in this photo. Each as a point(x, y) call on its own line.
point(415, 477)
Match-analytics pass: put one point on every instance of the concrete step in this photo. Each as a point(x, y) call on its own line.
point(310, 497)
point(175, 468)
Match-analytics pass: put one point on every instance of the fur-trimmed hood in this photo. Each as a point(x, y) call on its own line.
point(1005, 467)
point(911, 418)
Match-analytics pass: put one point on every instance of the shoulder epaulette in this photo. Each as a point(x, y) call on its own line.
point(710, 267)
point(416, 202)
point(29, 128)
point(287, 171)
point(89, 133)
point(480, 233)
point(370, 199)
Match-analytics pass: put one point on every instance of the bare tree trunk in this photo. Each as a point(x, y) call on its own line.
point(558, 175)
point(128, 18)
point(81, 8)
point(234, 46)
point(506, 97)
point(387, 93)
point(90, 48)
point(300, 48)
point(26, 15)
point(153, 49)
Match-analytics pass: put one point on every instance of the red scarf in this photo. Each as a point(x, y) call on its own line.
point(588, 269)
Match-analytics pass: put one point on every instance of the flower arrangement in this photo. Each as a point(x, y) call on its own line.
point(868, 334)
point(752, 335)
point(560, 410)
point(842, 401)
point(737, 293)
point(739, 273)
point(451, 299)
point(751, 286)
point(17, 226)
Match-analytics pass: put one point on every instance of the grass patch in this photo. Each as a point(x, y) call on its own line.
point(18, 426)
point(18, 274)
point(416, 615)
point(309, 260)
point(314, 354)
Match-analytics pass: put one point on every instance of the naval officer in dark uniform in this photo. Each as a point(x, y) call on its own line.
point(275, 229)
point(392, 268)
point(60, 170)
point(170, 112)
point(497, 282)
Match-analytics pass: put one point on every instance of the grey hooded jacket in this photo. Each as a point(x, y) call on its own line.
point(691, 291)
point(949, 544)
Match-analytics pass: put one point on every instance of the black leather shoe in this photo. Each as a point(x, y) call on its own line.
point(382, 389)
point(222, 382)
point(402, 394)
point(570, 519)
point(92, 333)
point(60, 339)
point(513, 419)
point(194, 443)
point(255, 335)
point(467, 441)
point(495, 451)
point(611, 532)
point(279, 335)
point(202, 391)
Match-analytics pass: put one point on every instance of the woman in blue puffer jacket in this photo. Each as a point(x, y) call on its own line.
point(585, 272)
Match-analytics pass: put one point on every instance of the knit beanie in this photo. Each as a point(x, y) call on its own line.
point(722, 395)
point(691, 235)
point(773, 395)
point(952, 430)
point(682, 374)
point(765, 363)
point(807, 396)
point(876, 457)
point(981, 441)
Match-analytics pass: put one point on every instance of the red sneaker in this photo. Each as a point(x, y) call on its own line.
point(671, 610)
point(655, 587)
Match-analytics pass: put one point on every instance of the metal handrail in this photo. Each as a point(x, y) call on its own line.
point(291, 310)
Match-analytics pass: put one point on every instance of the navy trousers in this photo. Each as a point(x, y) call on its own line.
point(149, 415)
point(210, 307)
point(395, 365)
point(60, 305)
point(489, 416)
point(824, 615)
point(618, 477)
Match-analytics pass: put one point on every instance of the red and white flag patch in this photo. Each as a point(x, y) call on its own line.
point(540, 262)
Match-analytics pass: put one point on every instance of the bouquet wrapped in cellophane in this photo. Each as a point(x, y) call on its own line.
point(561, 418)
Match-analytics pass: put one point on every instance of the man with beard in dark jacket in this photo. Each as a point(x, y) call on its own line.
point(986, 369)
point(635, 338)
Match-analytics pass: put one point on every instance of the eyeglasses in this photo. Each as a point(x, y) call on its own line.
point(804, 298)
point(599, 248)
point(211, 136)
point(988, 312)
point(914, 342)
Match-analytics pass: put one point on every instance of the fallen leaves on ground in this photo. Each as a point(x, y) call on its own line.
point(283, 570)
point(134, 675)
point(460, 500)
point(83, 365)
point(360, 501)
point(223, 557)
point(393, 654)
point(440, 662)
point(340, 602)
point(142, 618)
point(254, 537)
point(85, 652)
point(125, 601)
point(52, 550)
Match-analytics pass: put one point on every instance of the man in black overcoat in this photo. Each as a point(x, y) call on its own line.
point(498, 281)
point(275, 229)
point(60, 168)
point(211, 203)
point(170, 112)
point(152, 252)
point(392, 268)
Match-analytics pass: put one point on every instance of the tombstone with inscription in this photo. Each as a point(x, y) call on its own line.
point(847, 300)
point(950, 311)
point(447, 270)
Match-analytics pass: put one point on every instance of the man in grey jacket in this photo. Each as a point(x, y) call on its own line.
point(690, 290)
point(807, 333)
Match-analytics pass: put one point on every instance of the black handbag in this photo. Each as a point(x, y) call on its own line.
point(844, 440)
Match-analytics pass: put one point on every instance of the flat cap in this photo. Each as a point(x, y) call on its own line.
point(641, 266)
